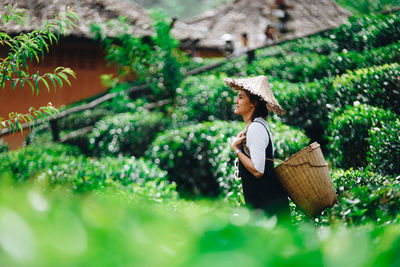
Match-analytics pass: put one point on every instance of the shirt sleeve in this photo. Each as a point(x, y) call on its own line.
point(257, 141)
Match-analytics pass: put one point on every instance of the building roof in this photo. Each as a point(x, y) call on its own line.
point(88, 11)
point(252, 17)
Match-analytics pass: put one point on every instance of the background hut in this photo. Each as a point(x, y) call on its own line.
point(77, 50)
point(211, 31)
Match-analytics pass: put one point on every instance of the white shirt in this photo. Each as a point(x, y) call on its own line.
point(257, 141)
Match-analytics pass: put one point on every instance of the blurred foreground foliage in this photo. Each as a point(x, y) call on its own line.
point(44, 228)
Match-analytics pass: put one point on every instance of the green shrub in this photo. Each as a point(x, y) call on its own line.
point(199, 159)
point(28, 161)
point(384, 149)
point(204, 98)
point(307, 106)
point(368, 31)
point(292, 67)
point(82, 119)
point(316, 44)
point(377, 86)
point(313, 44)
point(3, 146)
point(64, 165)
point(125, 133)
point(118, 104)
point(311, 66)
point(348, 133)
point(185, 153)
point(364, 197)
point(231, 67)
point(75, 128)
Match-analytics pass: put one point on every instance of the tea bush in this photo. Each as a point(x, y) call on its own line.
point(384, 148)
point(74, 126)
point(82, 119)
point(313, 44)
point(236, 66)
point(28, 161)
point(364, 197)
point(119, 104)
point(204, 98)
point(307, 106)
point(185, 153)
point(377, 86)
point(348, 133)
point(126, 133)
point(63, 165)
point(311, 66)
point(199, 159)
point(368, 31)
point(3, 146)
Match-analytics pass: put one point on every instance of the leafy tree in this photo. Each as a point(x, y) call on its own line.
point(27, 47)
point(152, 60)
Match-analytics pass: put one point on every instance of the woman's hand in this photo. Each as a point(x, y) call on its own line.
point(238, 140)
point(246, 161)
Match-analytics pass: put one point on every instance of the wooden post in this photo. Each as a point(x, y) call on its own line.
point(55, 130)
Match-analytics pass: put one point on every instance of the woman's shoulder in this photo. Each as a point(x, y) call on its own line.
point(259, 124)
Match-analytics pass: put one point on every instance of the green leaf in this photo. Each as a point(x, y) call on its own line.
point(45, 83)
point(23, 117)
point(51, 77)
point(11, 126)
point(36, 79)
point(65, 77)
point(31, 85)
point(51, 37)
point(52, 114)
point(23, 82)
point(58, 80)
point(69, 72)
point(18, 125)
point(14, 83)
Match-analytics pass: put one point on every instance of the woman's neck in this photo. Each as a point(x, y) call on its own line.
point(247, 119)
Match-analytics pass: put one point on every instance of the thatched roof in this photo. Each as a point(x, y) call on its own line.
point(252, 17)
point(88, 11)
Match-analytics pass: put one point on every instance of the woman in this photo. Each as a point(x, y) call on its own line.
point(254, 147)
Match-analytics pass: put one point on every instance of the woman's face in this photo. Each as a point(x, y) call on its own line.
point(243, 106)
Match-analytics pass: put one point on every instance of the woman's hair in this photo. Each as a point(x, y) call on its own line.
point(261, 106)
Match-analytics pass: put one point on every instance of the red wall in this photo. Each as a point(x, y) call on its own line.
point(83, 56)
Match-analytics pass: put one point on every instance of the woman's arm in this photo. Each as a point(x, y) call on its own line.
point(248, 164)
point(246, 161)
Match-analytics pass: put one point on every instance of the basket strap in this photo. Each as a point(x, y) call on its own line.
point(298, 164)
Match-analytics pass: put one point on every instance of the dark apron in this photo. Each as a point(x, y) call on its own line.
point(265, 193)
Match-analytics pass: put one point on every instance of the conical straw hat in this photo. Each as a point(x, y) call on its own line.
point(258, 86)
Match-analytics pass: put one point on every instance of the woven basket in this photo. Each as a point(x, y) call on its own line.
point(305, 177)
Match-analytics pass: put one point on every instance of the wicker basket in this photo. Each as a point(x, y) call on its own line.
point(305, 177)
